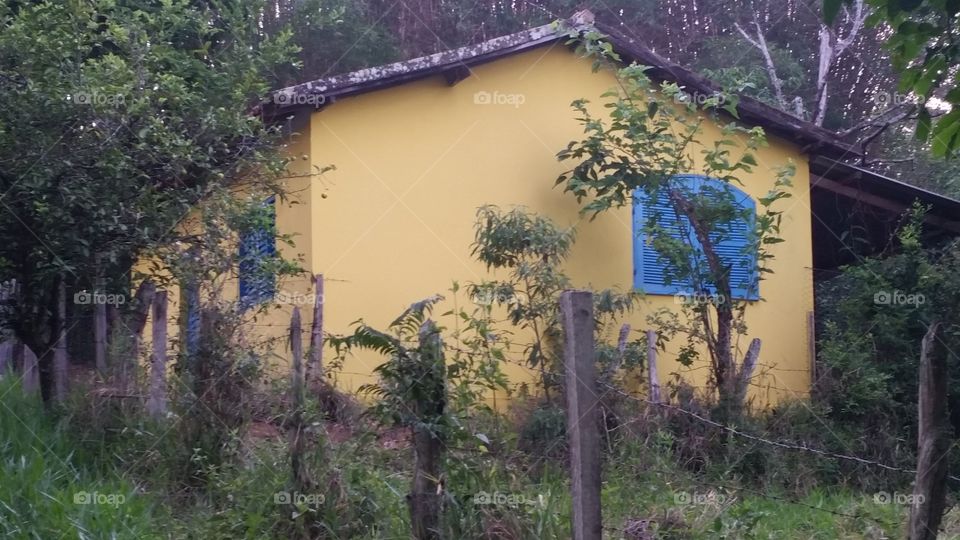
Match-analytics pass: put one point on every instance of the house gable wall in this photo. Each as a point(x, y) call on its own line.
point(393, 223)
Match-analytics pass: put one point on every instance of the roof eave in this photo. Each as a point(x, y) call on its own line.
point(316, 94)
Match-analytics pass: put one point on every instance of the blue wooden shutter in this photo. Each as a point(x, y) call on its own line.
point(649, 268)
point(256, 246)
point(732, 249)
point(732, 243)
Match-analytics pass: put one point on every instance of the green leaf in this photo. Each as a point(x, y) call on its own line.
point(945, 134)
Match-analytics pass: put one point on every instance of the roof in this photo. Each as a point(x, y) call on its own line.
point(882, 191)
point(825, 147)
point(456, 63)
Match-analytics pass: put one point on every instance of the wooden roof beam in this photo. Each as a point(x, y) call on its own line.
point(878, 201)
point(456, 74)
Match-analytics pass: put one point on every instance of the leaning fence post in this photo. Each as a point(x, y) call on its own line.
point(929, 490)
point(60, 362)
point(100, 337)
point(157, 402)
point(99, 325)
point(652, 376)
point(30, 366)
point(583, 429)
point(746, 370)
point(301, 479)
point(315, 364)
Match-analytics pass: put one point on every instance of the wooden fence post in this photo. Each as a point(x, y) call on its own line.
point(99, 325)
point(428, 447)
point(812, 346)
point(929, 490)
point(28, 362)
point(138, 319)
point(746, 370)
point(583, 429)
point(127, 334)
point(60, 362)
point(301, 479)
point(6, 358)
point(315, 364)
point(157, 402)
point(653, 379)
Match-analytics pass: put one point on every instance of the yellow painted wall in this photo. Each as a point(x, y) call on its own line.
point(415, 161)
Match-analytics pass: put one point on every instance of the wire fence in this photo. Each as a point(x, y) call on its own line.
point(786, 445)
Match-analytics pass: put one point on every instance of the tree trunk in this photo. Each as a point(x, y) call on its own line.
point(718, 344)
point(929, 492)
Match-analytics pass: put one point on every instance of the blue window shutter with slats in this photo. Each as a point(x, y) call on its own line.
point(649, 269)
point(255, 247)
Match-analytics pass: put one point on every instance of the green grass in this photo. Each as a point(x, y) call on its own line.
point(45, 466)
point(48, 490)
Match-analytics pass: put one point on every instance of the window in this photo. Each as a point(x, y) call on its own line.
point(256, 246)
point(650, 268)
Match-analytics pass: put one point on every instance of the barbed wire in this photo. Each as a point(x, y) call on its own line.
point(770, 442)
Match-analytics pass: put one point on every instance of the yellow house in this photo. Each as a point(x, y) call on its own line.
point(419, 145)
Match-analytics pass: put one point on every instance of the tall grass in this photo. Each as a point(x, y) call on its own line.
point(48, 487)
point(62, 478)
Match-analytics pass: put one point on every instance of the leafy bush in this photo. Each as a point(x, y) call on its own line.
point(873, 317)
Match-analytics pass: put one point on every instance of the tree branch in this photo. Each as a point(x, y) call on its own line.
point(760, 43)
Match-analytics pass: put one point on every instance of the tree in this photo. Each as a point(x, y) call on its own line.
point(900, 305)
point(643, 150)
point(530, 250)
point(433, 382)
point(833, 43)
point(925, 55)
point(116, 118)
